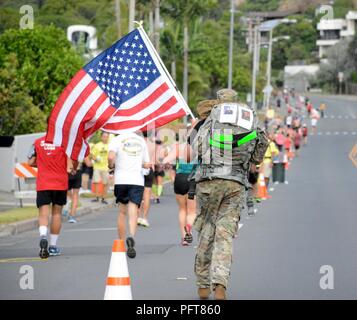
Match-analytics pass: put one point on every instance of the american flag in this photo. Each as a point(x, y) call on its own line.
point(125, 88)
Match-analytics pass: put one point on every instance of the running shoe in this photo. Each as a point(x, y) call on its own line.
point(65, 213)
point(184, 243)
point(131, 251)
point(104, 202)
point(44, 254)
point(54, 251)
point(188, 236)
point(145, 223)
point(72, 220)
point(95, 200)
point(157, 201)
point(140, 222)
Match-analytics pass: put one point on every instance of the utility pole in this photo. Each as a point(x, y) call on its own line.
point(231, 39)
point(250, 35)
point(256, 48)
point(117, 14)
point(131, 14)
point(268, 93)
point(157, 26)
point(185, 66)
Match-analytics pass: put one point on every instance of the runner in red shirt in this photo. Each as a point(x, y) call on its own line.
point(52, 184)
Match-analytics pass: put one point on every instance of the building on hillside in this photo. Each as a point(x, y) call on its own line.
point(334, 30)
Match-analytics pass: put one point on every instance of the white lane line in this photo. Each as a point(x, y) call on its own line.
point(320, 133)
point(332, 117)
point(347, 117)
point(340, 117)
point(345, 133)
point(354, 133)
point(337, 133)
point(328, 133)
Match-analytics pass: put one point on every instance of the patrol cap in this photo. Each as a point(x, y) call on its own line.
point(205, 107)
point(227, 95)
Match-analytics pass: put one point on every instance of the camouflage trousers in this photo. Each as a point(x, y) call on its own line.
point(218, 211)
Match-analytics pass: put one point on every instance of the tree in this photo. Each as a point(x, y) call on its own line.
point(187, 11)
point(352, 53)
point(338, 61)
point(172, 49)
point(46, 61)
point(42, 63)
point(18, 114)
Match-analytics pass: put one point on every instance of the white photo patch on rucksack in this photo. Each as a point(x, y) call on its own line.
point(229, 113)
point(245, 118)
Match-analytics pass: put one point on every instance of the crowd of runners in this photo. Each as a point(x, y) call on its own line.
point(136, 167)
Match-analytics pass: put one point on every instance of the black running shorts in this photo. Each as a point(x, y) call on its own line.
point(149, 179)
point(125, 193)
point(75, 182)
point(181, 184)
point(54, 197)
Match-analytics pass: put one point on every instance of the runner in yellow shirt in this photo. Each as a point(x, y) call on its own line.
point(271, 152)
point(99, 155)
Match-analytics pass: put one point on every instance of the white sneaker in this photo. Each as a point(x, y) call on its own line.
point(140, 222)
point(145, 223)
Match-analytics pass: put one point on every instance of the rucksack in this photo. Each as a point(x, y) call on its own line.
point(229, 140)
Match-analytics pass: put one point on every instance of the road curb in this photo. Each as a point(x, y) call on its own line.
point(15, 228)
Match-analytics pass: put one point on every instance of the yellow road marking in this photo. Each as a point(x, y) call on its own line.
point(20, 260)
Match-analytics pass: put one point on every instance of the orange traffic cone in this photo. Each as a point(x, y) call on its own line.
point(118, 281)
point(262, 189)
point(97, 188)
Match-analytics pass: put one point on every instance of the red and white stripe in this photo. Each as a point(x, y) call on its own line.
point(23, 170)
point(82, 109)
point(156, 104)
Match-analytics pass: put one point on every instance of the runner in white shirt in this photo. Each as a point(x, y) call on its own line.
point(128, 154)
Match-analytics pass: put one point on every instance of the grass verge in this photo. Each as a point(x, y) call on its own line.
point(18, 214)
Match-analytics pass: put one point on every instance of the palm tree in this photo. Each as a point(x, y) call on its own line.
point(172, 49)
point(187, 11)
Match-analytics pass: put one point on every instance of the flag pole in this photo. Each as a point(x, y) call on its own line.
point(140, 27)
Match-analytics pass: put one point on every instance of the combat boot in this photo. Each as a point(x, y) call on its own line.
point(220, 292)
point(204, 293)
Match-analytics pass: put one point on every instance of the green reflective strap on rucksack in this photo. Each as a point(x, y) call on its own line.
point(248, 138)
point(223, 137)
point(219, 139)
point(219, 145)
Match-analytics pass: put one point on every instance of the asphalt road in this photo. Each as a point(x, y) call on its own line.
point(307, 224)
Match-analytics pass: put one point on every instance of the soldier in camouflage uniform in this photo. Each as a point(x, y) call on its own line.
point(220, 193)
